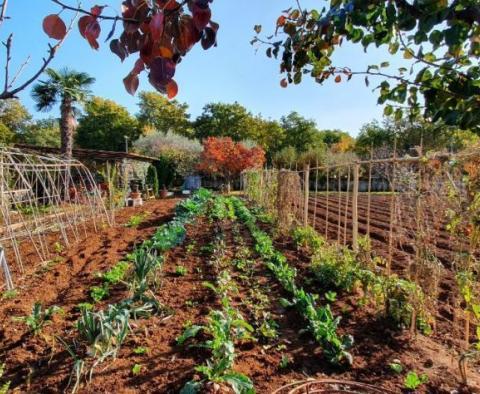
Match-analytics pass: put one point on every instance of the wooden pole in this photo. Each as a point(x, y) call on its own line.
point(356, 182)
point(306, 187)
point(392, 212)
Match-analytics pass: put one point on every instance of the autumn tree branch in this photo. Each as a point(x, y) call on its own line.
point(3, 11)
point(52, 51)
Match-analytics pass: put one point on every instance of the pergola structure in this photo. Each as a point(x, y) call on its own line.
point(42, 194)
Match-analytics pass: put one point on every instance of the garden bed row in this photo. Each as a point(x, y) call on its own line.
point(213, 303)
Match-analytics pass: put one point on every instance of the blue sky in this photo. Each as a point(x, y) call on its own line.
point(231, 72)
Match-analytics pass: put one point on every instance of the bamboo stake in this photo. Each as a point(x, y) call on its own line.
point(392, 212)
point(306, 187)
point(356, 181)
point(347, 202)
point(328, 197)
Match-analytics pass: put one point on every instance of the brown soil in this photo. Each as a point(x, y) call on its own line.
point(40, 364)
point(450, 318)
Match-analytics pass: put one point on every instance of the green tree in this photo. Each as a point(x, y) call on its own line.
point(224, 120)
point(7, 136)
point(70, 88)
point(14, 115)
point(411, 136)
point(163, 115)
point(269, 134)
point(440, 40)
point(285, 158)
point(300, 133)
point(373, 136)
point(178, 155)
point(14, 119)
point(43, 132)
point(105, 125)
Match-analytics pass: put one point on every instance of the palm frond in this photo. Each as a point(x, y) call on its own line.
point(45, 95)
point(60, 84)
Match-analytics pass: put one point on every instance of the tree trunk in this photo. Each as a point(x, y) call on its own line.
point(67, 127)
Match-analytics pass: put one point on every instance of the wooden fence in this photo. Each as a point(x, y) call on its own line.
point(414, 211)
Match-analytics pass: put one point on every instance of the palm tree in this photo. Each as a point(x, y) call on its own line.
point(70, 88)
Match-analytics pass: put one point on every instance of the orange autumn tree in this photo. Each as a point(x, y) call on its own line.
point(225, 158)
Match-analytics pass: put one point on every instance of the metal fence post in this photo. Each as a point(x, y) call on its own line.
point(306, 187)
point(356, 182)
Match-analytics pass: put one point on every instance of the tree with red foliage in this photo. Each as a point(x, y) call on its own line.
point(225, 158)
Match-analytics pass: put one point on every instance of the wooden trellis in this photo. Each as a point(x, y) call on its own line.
point(41, 194)
point(400, 204)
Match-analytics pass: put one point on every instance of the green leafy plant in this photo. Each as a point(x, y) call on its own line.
point(321, 322)
point(331, 296)
point(104, 331)
point(117, 273)
point(58, 247)
point(308, 238)
point(85, 306)
point(224, 327)
point(190, 248)
point(137, 369)
point(145, 264)
point(98, 293)
point(3, 386)
point(39, 317)
point(140, 350)
point(9, 294)
point(135, 220)
point(181, 270)
point(396, 367)
point(284, 362)
point(413, 381)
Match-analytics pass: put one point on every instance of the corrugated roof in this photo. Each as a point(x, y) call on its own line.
point(92, 154)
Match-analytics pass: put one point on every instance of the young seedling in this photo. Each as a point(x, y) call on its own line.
point(9, 294)
point(58, 247)
point(413, 381)
point(331, 296)
point(140, 350)
point(98, 293)
point(396, 367)
point(137, 369)
point(136, 220)
point(284, 362)
point(3, 386)
point(180, 270)
point(39, 317)
point(84, 306)
point(117, 273)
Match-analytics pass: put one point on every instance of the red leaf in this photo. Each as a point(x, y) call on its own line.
point(284, 83)
point(156, 26)
point(338, 79)
point(188, 34)
point(209, 38)
point(168, 4)
point(201, 16)
point(161, 71)
point(118, 49)
point(54, 27)
point(138, 67)
point(83, 23)
point(131, 83)
point(281, 21)
point(172, 89)
point(92, 32)
point(146, 50)
point(97, 10)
